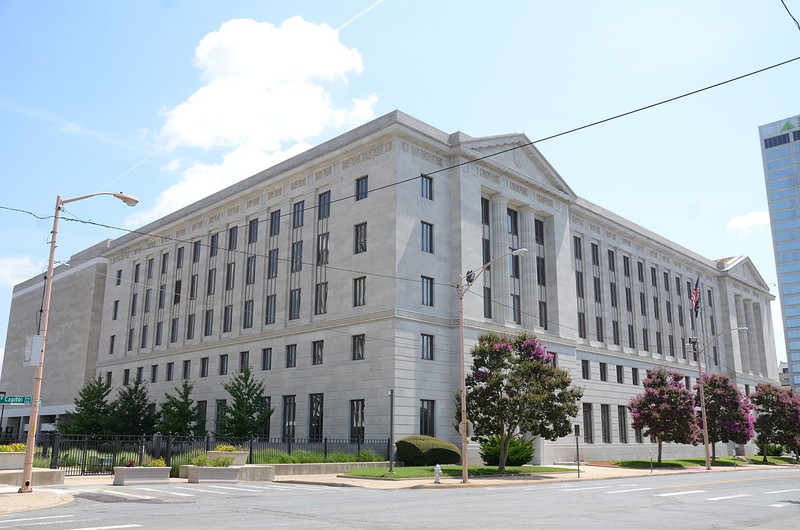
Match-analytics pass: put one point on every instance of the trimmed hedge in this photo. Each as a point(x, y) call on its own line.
point(426, 451)
point(520, 451)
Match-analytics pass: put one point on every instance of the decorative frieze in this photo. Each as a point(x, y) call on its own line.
point(545, 200)
point(234, 210)
point(369, 153)
point(488, 175)
point(277, 192)
point(513, 186)
point(322, 173)
point(197, 225)
point(299, 183)
point(214, 218)
point(255, 201)
point(423, 154)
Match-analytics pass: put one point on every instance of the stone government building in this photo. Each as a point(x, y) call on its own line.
point(332, 275)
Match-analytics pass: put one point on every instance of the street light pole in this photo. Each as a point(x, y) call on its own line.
point(461, 289)
point(700, 354)
point(33, 421)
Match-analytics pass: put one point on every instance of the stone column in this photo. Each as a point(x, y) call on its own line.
point(755, 366)
point(527, 239)
point(500, 289)
point(758, 323)
point(744, 344)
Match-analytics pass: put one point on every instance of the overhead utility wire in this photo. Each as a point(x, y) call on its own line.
point(790, 14)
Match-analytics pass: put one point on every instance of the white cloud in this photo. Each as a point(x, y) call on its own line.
point(264, 96)
point(18, 269)
point(748, 223)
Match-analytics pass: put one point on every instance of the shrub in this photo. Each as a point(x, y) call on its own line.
point(341, 457)
point(12, 448)
point(426, 451)
point(520, 451)
point(225, 448)
point(772, 450)
point(203, 460)
point(368, 455)
point(154, 462)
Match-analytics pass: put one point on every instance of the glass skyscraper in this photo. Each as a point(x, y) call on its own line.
point(780, 152)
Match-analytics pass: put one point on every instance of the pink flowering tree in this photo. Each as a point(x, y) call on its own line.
point(729, 415)
point(777, 417)
point(514, 388)
point(665, 409)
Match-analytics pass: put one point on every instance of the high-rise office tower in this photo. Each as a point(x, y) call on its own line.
point(780, 152)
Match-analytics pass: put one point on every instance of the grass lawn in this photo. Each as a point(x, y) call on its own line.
point(452, 471)
point(680, 463)
point(773, 460)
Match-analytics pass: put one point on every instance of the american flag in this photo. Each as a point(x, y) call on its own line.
point(694, 296)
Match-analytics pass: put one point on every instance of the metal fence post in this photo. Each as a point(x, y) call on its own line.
point(250, 456)
point(54, 454)
point(325, 447)
point(168, 450)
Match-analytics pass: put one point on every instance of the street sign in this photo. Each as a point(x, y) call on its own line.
point(15, 400)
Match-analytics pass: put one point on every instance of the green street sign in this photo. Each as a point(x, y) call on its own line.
point(15, 400)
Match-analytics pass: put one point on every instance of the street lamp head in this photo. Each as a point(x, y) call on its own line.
point(130, 200)
point(519, 251)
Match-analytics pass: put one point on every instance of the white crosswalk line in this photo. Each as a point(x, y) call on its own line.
point(680, 493)
point(780, 491)
point(109, 527)
point(168, 492)
point(583, 489)
point(777, 505)
point(202, 490)
point(231, 488)
point(628, 490)
point(729, 497)
point(131, 495)
point(44, 517)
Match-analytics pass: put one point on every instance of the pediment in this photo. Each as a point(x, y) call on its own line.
point(742, 268)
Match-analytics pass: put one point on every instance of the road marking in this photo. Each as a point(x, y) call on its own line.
point(202, 490)
point(680, 493)
point(131, 495)
point(583, 489)
point(4, 521)
point(628, 490)
point(167, 492)
point(729, 497)
point(109, 527)
point(233, 488)
point(777, 505)
point(780, 491)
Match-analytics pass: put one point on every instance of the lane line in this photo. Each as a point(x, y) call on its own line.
point(167, 492)
point(584, 489)
point(629, 490)
point(729, 497)
point(780, 491)
point(202, 490)
point(4, 521)
point(109, 527)
point(233, 488)
point(679, 493)
point(777, 505)
point(131, 495)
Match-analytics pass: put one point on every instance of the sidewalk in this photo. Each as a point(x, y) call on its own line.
point(44, 497)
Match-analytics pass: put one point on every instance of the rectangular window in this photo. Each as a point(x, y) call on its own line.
point(252, 230)
point(212, 282)
point(640, 271)
point(230, 276)
point(170, 371)
point(250, 271)
point(275, 222)
point(603, 372)
point(597, 289)
point(173, 330)
point(233, 235)
point(639, 436)
point(615, 331)
point(362, 188)
point(223, 364)
point(227, 318)
point(134, 303)
point(269, 309)
point(118, 279)
point(427, 187)
point(272, 263)
point(265, 404)
point(487, 302)
point(321, 298)
point(115, 310)
point(202, 413)
point(298, 211)
point(162, 296)
point(356, 420)
point(196, 248)
point(595, 254)
point(360, 238)
point(154, 373)
point(427, 419)
point(322, 248)
point(159, 333)
point(622, 418)
point(221, 405)
point(605, 418)
point(427, 237)
point(358, 347)
point(213, 245)
point(485, 209)
point(294, 304)
point(585, 369)
point(516, 309)
point(126, 376)
point(244, 360)
point(111, 343)
point(427, 291)
point(324, 205)
point(190, 326)
point(612, 266)
point(512, 219)
point(247, 315)
point(513, 265)
point(620, 374)
point(576, 248)
point(315, 415)
point(579, 284)
point(136, 269)
point(291, 355)
point(487, 250)
point(645, 340)
point(140, 374)
point(193, 283)
point(540, 271)
point(588, 424)
point(635, 376)
point(187, 369)
point(427, 347)
point(542, 314)
point(289, 408)
point(179, 258)
point(204, 367)
point(164, 262)
point(266, 358)
point(145, 333)
point(297, 256)
point(581, 324)
point(626, 266)
point(316, 352)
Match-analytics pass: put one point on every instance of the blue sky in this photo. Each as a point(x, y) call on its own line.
point(172, 100)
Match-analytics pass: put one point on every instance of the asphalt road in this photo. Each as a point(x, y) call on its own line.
point(753, 499)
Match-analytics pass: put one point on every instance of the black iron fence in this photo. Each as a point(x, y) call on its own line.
point(97, 455)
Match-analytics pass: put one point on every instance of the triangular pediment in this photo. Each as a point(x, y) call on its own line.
point(516, 155)
point(742, 268)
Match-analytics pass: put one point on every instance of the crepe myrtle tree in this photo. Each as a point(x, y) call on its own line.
point(513, 388)
point(729, 416)
point(777, 417)
point(665, 409)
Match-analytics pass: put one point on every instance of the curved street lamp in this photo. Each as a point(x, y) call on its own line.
point(700, 354)
point(33, 422)
point(465, 281)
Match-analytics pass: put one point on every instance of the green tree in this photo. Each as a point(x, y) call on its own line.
point(134, 412)
point(243, 417)
point(777, 416)
point(665, 409)
point(179, 413)
point(728, 412)
point(513, 388)
point(93, 413)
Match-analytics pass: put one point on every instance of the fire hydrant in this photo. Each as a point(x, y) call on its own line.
point(437, 474)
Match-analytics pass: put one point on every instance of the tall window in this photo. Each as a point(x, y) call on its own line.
point(513, 222)
point(179, 258)
point(620, 374)
point(294, 304)
point(358, 347)
point(221, 405)
point(291, 355)
point(272, 263)
point(250, 270)
point(204, 367)
point(154, 373)
point(588, 424)
point(298, 210)
point(427, 347)
point(362, 188)
point(266, 358)
point(635, 376)
point(170, 371)
point(605, 423)
point(187, 369)
point(360, 238)
point(196, 248)
point(227, 318)
point(289, 410)
point(427, 187)
point(324, 205)
point(247, 314)
point(230, 276)
point(173, 332)
point(213, 245)
point(356, 420)
point(126, 377)
point(233, 235)
point(321, 298)
point(315, 415)
point(210, 284)
point(585, 369)
point(427, 291)
point(275, 222)
point(427, 417)
point(516, 308)
point(223, 364)
point(252, 231)
point(269, 309)
point(297, 256)
point(359, 291)
point(427, 237)
point(322, 248)
point(316, 352)
point(622, 418)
